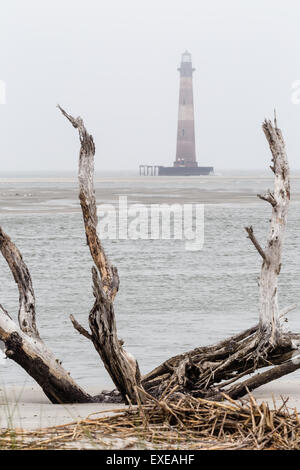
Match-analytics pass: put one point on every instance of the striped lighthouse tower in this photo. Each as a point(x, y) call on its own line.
point(186, 152)
point(185, 163)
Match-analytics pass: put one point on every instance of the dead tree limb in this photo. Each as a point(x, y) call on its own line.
point(80, 328)
point(120, 364)
point(242, 388)
point(220, 368)
point(22, 278)
point(23, 343)
point(270, 324)
point(252, 237)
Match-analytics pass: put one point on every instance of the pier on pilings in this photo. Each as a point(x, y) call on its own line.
point(149, 170)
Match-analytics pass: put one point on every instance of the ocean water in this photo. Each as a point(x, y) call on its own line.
point(170, 299)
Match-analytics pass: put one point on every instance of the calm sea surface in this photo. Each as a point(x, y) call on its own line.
point(170, 299)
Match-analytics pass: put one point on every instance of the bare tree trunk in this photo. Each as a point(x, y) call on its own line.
point(23, 343)
point(269, 315)
point(200, 371)
point(121, 365)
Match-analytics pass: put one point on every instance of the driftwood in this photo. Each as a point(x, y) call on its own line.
point(207, 372)
point(174, 422)
point(23, 343)
point(121, 365)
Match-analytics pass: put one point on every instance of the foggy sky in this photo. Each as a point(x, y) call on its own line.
point(115, 63)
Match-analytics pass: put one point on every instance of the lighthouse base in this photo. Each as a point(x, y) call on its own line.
point(185, 170)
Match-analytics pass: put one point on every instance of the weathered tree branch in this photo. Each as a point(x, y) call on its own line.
point(241, 389)
point(269, 197)
point(23, 343)
point(270, 324)
point(120, 364)
point(261, 346)
point(80, 328)
point(22, 277)
point(108, 273)
point(252, 237)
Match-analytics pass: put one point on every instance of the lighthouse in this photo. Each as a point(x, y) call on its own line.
point(185, 150)
point(185, 163)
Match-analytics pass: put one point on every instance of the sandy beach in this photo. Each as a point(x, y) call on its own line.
point(28, 408)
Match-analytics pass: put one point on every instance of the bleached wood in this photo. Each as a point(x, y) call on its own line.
point(265, 344)
point(120, 364)
point(23, 343)
point(22, 278)
point(269, 316)
point(252, 237)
